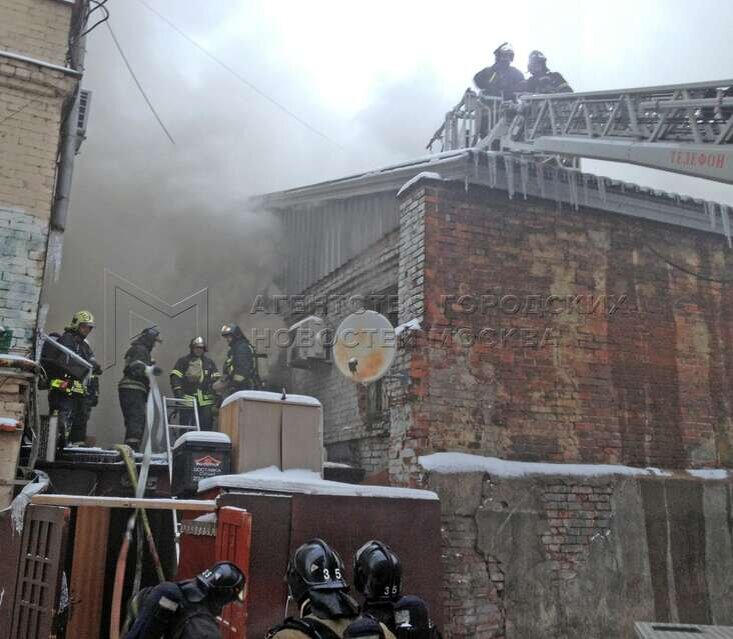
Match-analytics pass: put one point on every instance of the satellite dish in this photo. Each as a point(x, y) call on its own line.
point(365, 346)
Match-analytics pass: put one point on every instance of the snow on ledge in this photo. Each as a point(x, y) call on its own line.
point(9, 424)
point(465, 463)
point(265, 396)
point(412, 325)
point(709, 473)
point(307, 482)
point(432, 175)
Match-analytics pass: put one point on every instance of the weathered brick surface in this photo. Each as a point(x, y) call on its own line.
point(350, 434)
point(593, 348)
point(22, 254)
point(36, 28)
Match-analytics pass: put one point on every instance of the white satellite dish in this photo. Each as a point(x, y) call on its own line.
point(365, 346)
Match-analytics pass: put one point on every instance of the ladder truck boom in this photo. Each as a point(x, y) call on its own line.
point(685, 128)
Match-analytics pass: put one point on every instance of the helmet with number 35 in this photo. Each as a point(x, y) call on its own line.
point(377, 572)
point(315, 566)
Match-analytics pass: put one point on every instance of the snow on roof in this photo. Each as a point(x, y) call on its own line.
point(265, 396)
point(465, 463)
point(431, 175)
point(307, 482)
point(412, 325)
point(709, 473)
point(202, 436)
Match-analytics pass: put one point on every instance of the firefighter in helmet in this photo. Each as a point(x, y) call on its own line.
point(186, 609)
point(192, 378)
point(501, 78)
point(541, 79)
point(67, 394)
point(378, 578)
point(134, 386)
point(240, 365)
point(316, 582)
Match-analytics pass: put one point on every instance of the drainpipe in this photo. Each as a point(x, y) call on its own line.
point(64, 173)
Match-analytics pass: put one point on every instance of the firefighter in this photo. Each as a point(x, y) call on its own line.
point(134, 386)
point(501, 78)
point(541, 79)
point(240, 365)
point(67, 394)
point(315, 578)
point(192, 378)
point(378, 578)
point(186, 609)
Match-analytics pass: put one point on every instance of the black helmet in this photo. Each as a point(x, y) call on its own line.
point(231, 330)
point(197, 342)
point(148, 336)
point(221, 584)
point(412, 619)
point(314, 566)
point(377, 571)
point(504, 51)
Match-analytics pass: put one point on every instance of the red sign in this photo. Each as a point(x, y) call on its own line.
point(698, 158)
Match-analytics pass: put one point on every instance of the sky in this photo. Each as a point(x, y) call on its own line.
point(373, 79)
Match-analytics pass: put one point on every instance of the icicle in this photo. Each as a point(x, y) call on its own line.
point(725, 217)
point(465, 184)
point(556, 182)
point(572, 189)
point(524, 168)
point(509, 166)
point(541, 178)
point(475, 166)
point(492, 171)
point(601, 188)
point(710, 210)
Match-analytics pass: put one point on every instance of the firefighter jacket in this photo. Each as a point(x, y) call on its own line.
point(312, 627)
point(239, 365)
point(137, 357)
point(502, 82)
point(59, 377)
point(192, 377)
point(547, 82)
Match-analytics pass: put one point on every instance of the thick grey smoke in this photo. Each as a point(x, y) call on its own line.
point(175, 219)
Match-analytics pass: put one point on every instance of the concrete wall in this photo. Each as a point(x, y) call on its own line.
point(561, 336)
point(564, 556)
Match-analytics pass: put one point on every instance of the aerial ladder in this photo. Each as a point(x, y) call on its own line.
point(684, 128)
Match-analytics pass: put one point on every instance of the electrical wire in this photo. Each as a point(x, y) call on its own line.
point(239, 77)
point(137, 83)
point(98, 4)
point(699, 276)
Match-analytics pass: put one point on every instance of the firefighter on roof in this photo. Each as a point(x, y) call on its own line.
point(186, 609)
point(541, 79)
point(67, 392)
point(240, 365)
point(501, 78)
point(192, 378)
point(134, 386)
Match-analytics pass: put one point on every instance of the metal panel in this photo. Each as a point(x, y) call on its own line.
point(39, 571)
point(681, 631)
point(11, 543)
point(411, 527)
point(233, 541)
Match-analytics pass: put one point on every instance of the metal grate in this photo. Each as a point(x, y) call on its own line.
point(39, 571)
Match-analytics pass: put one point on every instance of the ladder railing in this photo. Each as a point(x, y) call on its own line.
point(685, 128)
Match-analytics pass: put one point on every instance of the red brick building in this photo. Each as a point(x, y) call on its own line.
point(564, 318)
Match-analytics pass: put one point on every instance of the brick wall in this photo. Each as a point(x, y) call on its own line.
point(36, 28)
point(351, 435)
point(559, 335)
point(22, 250)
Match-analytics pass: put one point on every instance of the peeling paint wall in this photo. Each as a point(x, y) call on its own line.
point(573, 557)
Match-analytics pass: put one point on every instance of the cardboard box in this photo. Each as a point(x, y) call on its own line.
point(267, 430)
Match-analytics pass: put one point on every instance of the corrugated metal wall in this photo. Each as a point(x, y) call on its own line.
point(322, 236)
